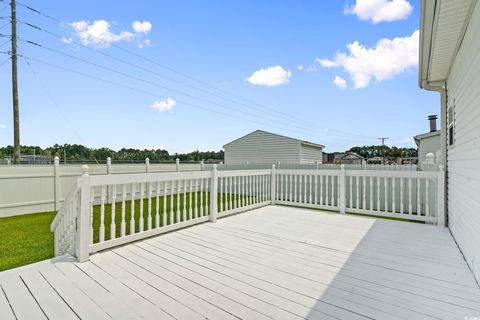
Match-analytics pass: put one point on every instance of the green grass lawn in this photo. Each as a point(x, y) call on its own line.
point(27, 239)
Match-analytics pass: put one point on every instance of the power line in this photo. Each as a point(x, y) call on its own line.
point(289, 117)
point(154, 94)
point(169, 89)
point(383, 147)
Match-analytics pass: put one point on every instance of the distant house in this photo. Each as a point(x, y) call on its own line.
point(449, 64)
point(352, 158)
point(429, 143)
point(261, 147)
point(333, 157)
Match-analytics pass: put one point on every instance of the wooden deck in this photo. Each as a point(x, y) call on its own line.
point(270, 263)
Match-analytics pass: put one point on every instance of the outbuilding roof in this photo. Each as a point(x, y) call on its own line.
point(278, 135)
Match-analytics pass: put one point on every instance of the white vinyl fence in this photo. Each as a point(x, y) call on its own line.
point(103, 211)
point(39, 188)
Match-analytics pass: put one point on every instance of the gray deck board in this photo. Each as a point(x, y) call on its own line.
point(270, 263)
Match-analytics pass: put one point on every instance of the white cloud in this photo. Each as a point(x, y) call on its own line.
point(2, 126)
point(164, 105)
point(270, 77)
point(67, 40)
point(142, 26)
point(380, 10)
point(300, 67)
point(340, 82)
point(145, 43)
point(98, 33)
point(389, 58)
point(311, 69)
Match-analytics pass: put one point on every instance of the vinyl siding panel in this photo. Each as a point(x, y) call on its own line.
point(310, 154)
point(262, 147)
point(429, 145)
point(463, 158)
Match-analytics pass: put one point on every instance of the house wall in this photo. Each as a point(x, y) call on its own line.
point(262, 147)
point(429, 145)
point(463, 158)
point(310, 154)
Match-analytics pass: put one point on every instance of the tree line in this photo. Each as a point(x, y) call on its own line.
point(77, 153)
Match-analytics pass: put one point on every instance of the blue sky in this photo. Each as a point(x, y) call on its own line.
point(221, 44)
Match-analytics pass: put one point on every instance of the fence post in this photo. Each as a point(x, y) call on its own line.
point(109, 188)
point(202, 165)
point(177, 164)
point(343, 188)
point(56, 183)
point(441, 196)
point(147, 165)
point(273, 180)
point(213, 194)
point(83, 217)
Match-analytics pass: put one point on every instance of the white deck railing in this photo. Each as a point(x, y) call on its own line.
point(104, 211)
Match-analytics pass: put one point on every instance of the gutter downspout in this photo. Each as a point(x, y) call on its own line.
point(442, 89)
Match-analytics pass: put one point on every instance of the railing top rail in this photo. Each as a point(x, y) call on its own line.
point(238, 173)
point(309, 171)
point(100, 180)
point(392, 174)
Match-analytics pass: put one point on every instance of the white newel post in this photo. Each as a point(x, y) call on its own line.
point(441, 197)
point(109, 188)
point(56, 183)
point(273, 180)
point(213, 194)
point(147, 165)
point(343, 188)
point(177, 164)
point(202, 165)
point(83, 218)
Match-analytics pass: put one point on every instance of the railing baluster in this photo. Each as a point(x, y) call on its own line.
point(92, 199)
point(102, 214)
point(393, 195)
point(201, 198)
point(177, 211)
point(427, 198)
point(184, 193)
point(113, 227)
point(122, 223)
point(140, 219)
point(370, 180)
point(321, 190)
point(378, 193)
point(364, 192)
point(196, 208)
point(350, 197)
point(309, 188)
point(357, 194)
point(132, 210)
point(149, 209)
point(401, 195)
point(190, 204)
point(419, 209)
point(157, 205)
point(410, 211)
point(171, 202)
point(207, 198)
point(385, 183)
point(164, 214)
point(220, 188)
point(315, 186)
point(230, 188)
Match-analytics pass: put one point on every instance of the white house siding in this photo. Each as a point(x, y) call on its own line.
point(429, 145)
point(262, 147)
point(310, 154)
point(463, 162)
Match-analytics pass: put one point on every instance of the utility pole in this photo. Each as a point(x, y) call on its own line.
point(383, 147)
point(16, 117)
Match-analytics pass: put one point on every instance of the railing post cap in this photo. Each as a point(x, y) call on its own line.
point(56, 160)
point(342, 166)
point(85, 169)
point(214, 166)
point(109, 160)
point(441, 167)
point(147, 160)
point(273, 166)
